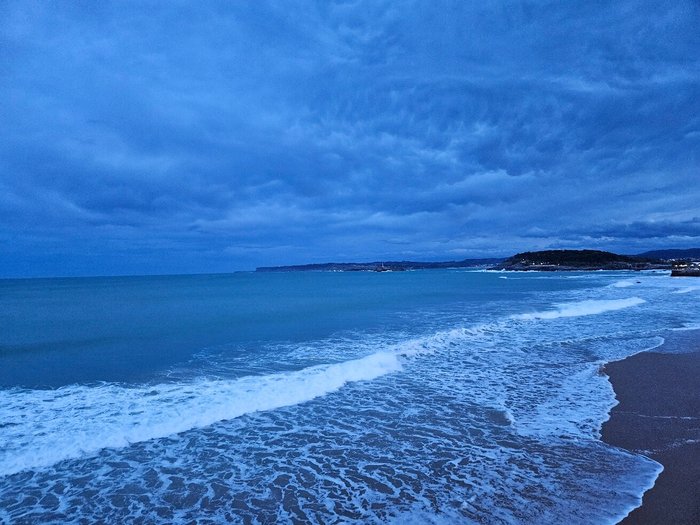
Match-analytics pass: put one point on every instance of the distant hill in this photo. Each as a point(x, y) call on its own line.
point(559, 260)
point(690, 253)
point(386, 266)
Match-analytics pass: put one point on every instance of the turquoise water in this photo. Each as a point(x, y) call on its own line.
point(61, 331)
point(427, 396)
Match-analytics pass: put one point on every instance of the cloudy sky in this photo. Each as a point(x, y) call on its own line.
point(217, 136)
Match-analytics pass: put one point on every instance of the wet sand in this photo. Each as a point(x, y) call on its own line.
point(659, 416)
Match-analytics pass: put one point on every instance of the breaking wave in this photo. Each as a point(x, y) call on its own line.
point(581, 308)
point(43, 427)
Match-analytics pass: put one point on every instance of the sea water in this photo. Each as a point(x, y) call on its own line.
point(440, 396)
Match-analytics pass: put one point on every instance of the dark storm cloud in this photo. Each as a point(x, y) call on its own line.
point(226, 135)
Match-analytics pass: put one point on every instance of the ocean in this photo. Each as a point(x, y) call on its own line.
point(437, 396)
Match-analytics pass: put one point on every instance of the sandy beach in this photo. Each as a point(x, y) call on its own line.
point(659, 416)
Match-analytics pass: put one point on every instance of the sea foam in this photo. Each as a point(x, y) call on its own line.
point(39, 428)
point(687, 289)
point(626, 283)
point(581, 308)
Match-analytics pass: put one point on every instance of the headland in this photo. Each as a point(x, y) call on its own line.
point(579, 260)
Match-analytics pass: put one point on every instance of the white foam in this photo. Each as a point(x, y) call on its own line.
point(39, 428)
point(580, 308)
point(687, 327)
point(687, 289)
point(442, 340)
point(623, 284)
point(575, 407)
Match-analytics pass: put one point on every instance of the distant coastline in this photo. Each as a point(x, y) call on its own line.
point(389, 266)
point(681, 262)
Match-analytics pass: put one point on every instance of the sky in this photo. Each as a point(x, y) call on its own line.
point(196, 137)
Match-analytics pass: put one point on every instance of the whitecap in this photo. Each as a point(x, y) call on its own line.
point(43, 427)
point(581, 308)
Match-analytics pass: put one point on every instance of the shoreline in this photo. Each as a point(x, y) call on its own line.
point(658, 415)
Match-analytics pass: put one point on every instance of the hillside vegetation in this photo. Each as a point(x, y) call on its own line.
point(578, 260)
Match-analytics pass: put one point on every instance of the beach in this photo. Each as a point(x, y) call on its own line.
point(658, 415)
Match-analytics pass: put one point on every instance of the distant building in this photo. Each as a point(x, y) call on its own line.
point(685, 268)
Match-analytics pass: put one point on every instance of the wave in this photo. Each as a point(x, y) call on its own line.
point(687, 327)
point(623, 284)
point(687, 289)
point(39, 428)
point(580, 308)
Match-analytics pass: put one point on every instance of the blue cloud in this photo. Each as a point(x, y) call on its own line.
point(237, 135)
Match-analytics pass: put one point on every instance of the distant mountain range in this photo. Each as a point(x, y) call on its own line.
point(546, 260)
point(690, 253)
